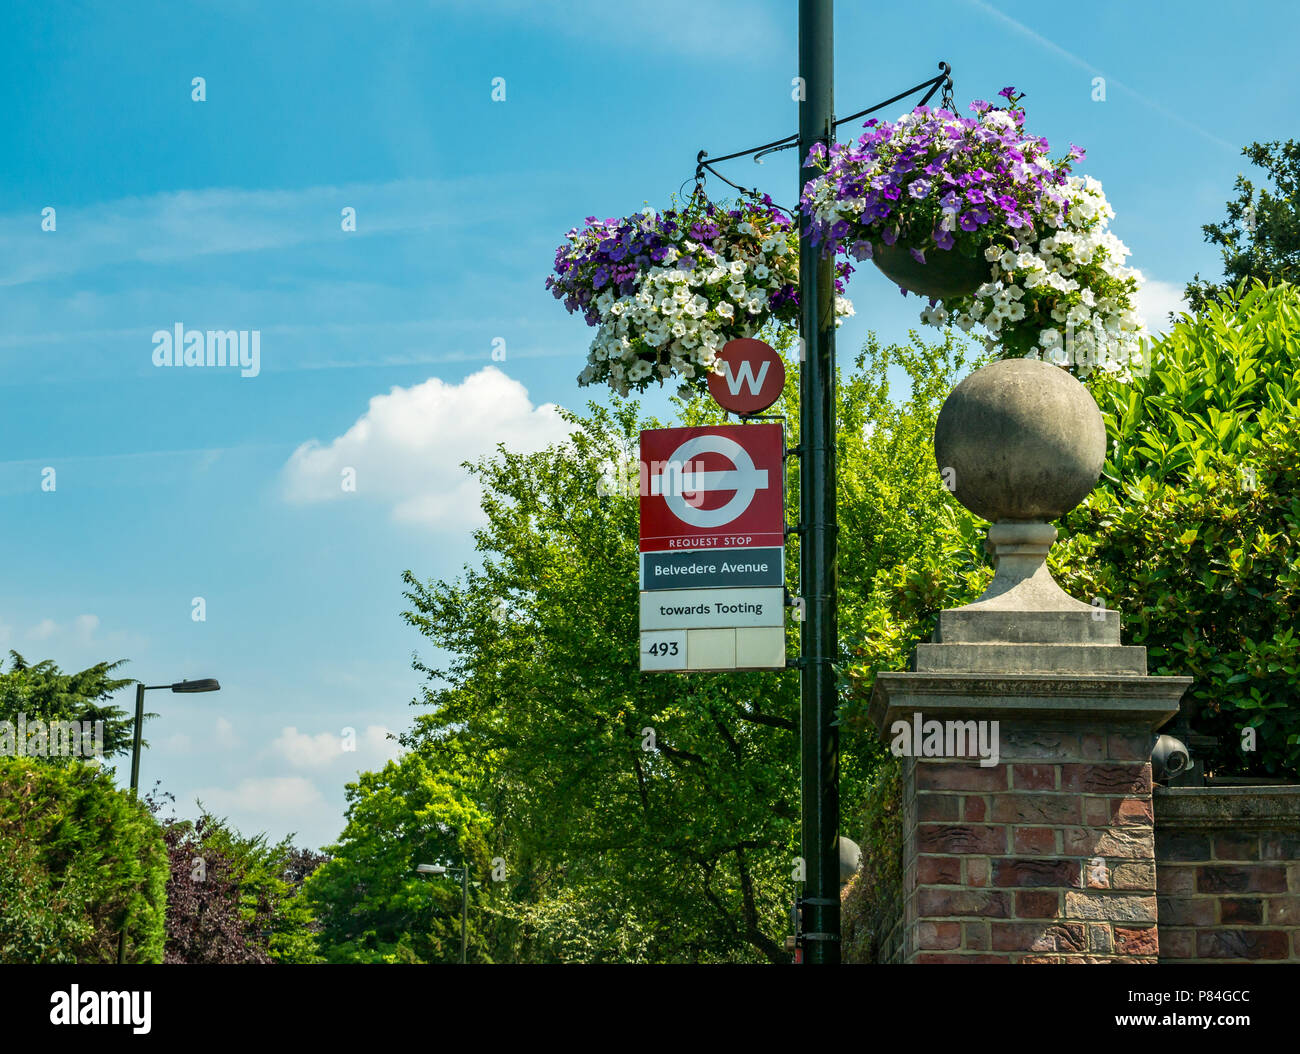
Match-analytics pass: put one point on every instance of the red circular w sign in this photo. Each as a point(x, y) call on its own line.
point(752, 377)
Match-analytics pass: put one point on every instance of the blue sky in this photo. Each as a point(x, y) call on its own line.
point(376, 345)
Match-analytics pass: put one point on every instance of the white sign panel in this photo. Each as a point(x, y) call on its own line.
point(749, 648)
point(663, 650)
point(712, 608)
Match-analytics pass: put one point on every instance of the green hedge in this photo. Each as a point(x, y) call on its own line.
point(76, 856)
point(1194, 533)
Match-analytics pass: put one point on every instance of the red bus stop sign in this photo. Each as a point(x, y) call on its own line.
point(752, 377)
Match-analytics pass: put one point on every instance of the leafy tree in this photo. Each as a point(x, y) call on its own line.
point(233, 898)
point(78, 860)
point(294, 929)
point(531, 746)
point(44, 692)
point(370, 903)
point(1260, 238)
point(681, 848)
point(204, 920)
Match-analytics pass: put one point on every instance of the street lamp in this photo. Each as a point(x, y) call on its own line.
point(206, 684)
point(463, 873)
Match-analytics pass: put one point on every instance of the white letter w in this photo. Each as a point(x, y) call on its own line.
point(746, 373)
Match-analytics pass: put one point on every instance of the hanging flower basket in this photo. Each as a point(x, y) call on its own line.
point(940, 275)
point(1065, 297)
point(973, 213)
point(666, 291)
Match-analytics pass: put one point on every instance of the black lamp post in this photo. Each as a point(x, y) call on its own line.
point(817, 514)
point(207, 684)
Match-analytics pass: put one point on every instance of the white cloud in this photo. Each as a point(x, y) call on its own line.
point(179, 743)
point(407, 449)
point(225, 734)
point(302, 750)
point(258, 798)
point(81, 630)
point(1154, 302)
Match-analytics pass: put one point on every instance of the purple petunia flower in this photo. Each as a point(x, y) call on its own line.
point(919, 189)
point(943, 239)
point(861, 249)
point(967, 221)
point(889, 235)
point(918, 255)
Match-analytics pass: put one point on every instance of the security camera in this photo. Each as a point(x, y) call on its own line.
point(1169, 758)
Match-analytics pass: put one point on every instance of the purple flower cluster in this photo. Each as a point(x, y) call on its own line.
point(614, 253)
point(937, 180)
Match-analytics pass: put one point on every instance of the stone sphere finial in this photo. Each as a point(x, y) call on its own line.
point(1020, 440)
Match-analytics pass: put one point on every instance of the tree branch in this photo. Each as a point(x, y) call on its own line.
point(764, 719)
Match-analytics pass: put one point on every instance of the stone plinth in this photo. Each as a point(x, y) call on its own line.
point(1026, 725)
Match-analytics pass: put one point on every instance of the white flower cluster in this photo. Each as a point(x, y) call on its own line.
point(1078, 268)
point(688, 315)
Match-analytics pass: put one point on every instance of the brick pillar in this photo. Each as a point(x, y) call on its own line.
point(1047, 856)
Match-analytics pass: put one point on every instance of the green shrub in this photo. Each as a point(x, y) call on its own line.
point(1193, 533)
point(77, 858)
